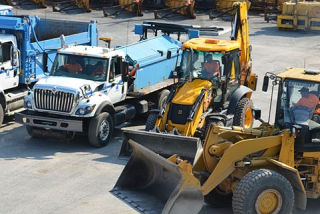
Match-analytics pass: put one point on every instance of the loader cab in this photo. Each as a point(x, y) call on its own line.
point(297, 101)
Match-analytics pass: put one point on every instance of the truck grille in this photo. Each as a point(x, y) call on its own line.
point(58, 101)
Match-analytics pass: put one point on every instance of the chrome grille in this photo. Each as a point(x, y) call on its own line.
point(58, 101)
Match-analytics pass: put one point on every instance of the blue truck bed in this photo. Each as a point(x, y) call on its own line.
point(149, 57)
point(36, 36)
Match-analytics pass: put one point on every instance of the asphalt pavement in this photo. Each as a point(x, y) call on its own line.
point(43, 176)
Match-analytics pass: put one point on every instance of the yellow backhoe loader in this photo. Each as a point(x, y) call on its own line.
point(268, 169)
point(201, 97)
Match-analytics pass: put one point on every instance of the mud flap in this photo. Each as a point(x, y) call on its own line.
point(152, 184)
point(163, 144)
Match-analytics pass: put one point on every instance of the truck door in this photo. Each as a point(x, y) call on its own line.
point(117, 89)
point(9, 66)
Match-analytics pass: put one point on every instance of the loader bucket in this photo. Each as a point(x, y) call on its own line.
point(162, 144)
point(153, 184)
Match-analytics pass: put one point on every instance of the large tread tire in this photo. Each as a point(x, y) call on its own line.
point(1, 114)
point(243, 113)
point(263, 191)
point(100, 130)
point(163, 98)
point(217, 198)
point(151, 121)
point(208, 125)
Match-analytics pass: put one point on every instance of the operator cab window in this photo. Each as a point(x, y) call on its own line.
point(5, 52)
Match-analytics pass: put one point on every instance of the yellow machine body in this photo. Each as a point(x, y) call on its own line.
point(299, 16)
point(186, 97)
point(264, 169)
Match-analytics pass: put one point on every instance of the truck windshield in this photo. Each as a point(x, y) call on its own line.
point(205, 65)
point(298, 102)
point(82, 67)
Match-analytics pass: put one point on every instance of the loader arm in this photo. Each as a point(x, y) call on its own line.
point(241, 35)
point(235, 153)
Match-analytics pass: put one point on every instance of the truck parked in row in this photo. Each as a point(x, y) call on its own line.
point(91, 90)
point(6, 10)
point(25, 45)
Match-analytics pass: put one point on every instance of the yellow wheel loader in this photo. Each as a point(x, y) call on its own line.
point(201, 98)
point(268, 169)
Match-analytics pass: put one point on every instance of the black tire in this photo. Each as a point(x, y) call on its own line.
point(217, 198)
point(263, 191)
point(1, 114)
point(163, 98)
point(151, 121)
point(30, 131)
point(243, 113)
point(210, 122)
point(100, 130)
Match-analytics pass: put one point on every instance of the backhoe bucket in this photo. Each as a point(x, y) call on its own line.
point(162, 144)
point(152, 184)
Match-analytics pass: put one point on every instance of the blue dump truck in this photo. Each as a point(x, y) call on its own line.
point(109, 87)
point(28, 46)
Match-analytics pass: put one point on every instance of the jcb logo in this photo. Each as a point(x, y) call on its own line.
point(180, 111)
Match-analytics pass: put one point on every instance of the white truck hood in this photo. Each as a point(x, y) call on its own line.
point(65, 83)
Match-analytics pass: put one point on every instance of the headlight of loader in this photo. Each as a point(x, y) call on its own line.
point(85, 110)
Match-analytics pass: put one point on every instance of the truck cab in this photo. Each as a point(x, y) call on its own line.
point(9, 62)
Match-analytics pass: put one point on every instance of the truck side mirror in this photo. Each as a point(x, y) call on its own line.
point(265, 83)
point(14, 56)
point(124, 71)
point(45, 61)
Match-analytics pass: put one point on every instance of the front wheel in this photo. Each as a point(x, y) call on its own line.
point(1, 114)
point(100, 130)
point(151, 121)
point(243, 113)
point(263, 191)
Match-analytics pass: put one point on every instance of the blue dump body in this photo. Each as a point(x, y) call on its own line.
point(6, 10)
point(36, 36)
point(150, 56)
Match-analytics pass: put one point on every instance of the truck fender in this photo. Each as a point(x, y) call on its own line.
point(239, 93)
point(292, 175)
point(105, 106)
point(155, 111)
point(217, 117)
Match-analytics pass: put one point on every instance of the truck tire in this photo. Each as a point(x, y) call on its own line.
point(100, 130)
point(243, 113)
point(263, 191)
point(151, 121)
point(163, 98)
point(1, 114)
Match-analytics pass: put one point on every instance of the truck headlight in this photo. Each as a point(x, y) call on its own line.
point(85, 110)
point(28, 104)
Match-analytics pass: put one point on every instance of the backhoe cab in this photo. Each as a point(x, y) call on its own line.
point(203, 96)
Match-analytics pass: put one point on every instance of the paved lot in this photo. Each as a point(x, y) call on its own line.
point(43, 176)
